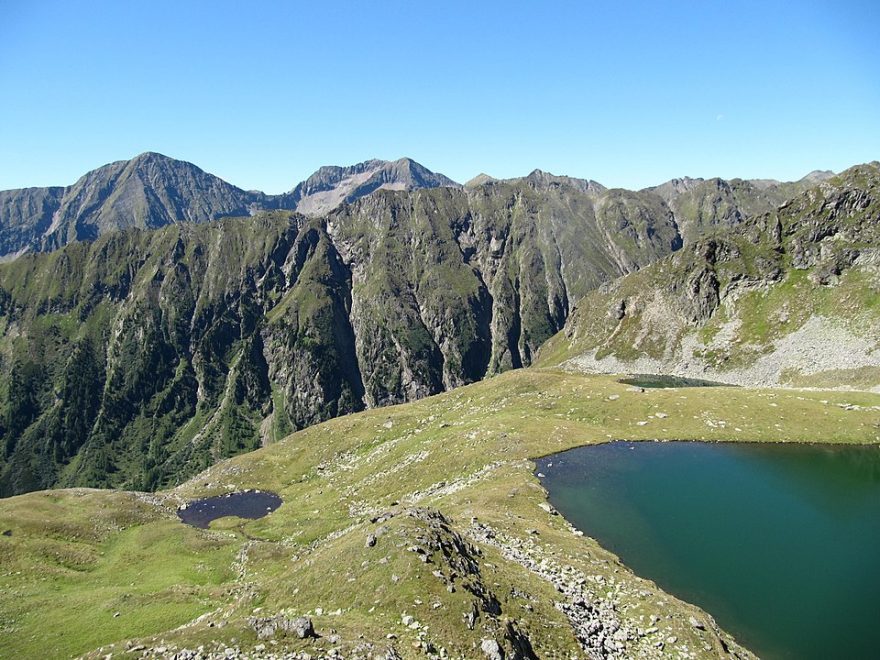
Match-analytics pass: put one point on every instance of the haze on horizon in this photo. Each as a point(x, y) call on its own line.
point(630, 96)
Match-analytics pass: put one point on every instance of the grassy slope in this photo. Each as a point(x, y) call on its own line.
point(74, 558)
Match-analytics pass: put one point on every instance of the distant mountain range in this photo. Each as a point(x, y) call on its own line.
point(152, 191)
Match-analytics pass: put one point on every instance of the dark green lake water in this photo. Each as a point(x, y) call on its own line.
point(780, 543)
point(659, 381)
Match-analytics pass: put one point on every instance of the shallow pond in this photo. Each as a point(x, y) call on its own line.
point(251, 504)
point(654, 381)
point(779, 542)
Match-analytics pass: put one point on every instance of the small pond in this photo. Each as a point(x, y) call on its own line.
point(779, 542)
point(654, 381)
point(251, 504)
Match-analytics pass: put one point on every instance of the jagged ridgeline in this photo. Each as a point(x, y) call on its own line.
point(787, 297)
point(144, 356)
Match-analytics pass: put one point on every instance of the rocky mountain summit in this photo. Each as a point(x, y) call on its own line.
point(331, 186)
point(148, 191)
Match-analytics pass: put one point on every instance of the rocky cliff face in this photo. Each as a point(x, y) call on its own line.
point(702, 206)
point(479, 279)
point(787, 297)
point(26, 215)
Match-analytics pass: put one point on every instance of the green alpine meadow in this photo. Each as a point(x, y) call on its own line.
point(418, 529)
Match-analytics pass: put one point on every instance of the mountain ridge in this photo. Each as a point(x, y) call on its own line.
point(153, 190)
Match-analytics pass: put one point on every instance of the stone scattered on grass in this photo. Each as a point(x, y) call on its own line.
point(268, 627)
point(491, 649)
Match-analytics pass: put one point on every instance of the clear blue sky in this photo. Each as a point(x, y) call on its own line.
point(262, 93)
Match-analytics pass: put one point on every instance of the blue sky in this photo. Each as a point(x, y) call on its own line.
point(630, 94)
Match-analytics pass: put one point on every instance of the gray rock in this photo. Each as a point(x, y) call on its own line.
point(491, 649)
point(302, 627)
point(267, 627)
point(696, 623)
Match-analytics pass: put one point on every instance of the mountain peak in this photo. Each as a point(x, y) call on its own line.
point(154, 157)
point(817, 176)
point(479, 180)
point(151, 155)
point(333, 185)
point(541, 179)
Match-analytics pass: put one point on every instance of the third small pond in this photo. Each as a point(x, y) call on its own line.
point(660, 381)
point(251, 504)
point(779, 542)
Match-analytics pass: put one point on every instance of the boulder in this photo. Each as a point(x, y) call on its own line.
point(492, 649)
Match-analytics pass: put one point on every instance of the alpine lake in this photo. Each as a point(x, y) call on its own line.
point(780, 543)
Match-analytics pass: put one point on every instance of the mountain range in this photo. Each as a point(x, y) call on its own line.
point(164, 331)
point(788, 297)
point(138, 357)
point(152, 191)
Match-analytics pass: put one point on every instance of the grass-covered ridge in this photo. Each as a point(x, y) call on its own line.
point(77, 557)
